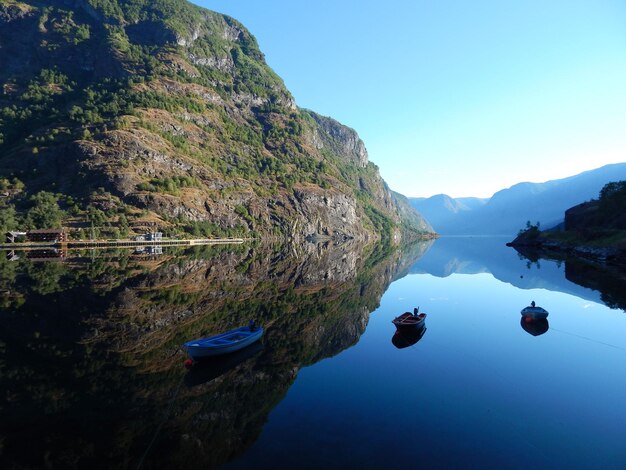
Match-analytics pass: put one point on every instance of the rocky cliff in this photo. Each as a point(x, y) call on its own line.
point(126, 113)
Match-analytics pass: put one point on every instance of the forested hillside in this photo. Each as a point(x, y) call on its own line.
point(117, 115)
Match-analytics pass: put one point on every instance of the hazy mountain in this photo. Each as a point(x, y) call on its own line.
point(472, 203)
point(508, 210)
point(118, 113)
point(441, 210)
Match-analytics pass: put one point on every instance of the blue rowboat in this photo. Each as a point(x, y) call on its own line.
point(223, 343)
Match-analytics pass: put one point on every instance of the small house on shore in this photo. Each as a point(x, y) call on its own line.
point(150, 237)
point(47, 235)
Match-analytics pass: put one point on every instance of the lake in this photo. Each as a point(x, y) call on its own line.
point(91, 376)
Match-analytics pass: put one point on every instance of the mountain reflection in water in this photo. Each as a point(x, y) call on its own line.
point(524, 269)
point(88, 344)
point(609, 280)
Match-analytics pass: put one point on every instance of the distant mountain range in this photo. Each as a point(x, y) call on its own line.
point(508, 210)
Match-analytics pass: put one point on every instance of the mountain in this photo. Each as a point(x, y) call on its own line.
point(508, 210)
point(441, 210)
point(126, 114)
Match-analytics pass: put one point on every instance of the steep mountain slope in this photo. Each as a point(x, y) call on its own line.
point(508, 210)
point(122, 113)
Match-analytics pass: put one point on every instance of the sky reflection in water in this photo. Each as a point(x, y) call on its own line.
point(476, 390)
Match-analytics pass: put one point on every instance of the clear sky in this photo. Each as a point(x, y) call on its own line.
point(456, 96)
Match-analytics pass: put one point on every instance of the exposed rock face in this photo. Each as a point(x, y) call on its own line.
point(172, 109)
point(339, 139)
point(325, 213)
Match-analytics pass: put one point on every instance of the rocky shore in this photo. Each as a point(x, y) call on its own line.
point(541, 243)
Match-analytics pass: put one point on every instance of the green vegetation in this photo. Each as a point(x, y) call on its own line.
point(599, 223)
point(40, 102)
point(173, 296)
point(44, 212)
point(40, 210)
point(62, 26)
point(183, 83)
point(530, 231)
point(612, 202)
point(171, 185)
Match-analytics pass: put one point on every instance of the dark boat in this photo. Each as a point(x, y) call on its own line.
point(410, 320)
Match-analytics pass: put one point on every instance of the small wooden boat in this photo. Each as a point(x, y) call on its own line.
point(409, 319)
point(533, 311)
point(223, 343)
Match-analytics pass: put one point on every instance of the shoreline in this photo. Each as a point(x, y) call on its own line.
point(606, 256)
point(78, 244)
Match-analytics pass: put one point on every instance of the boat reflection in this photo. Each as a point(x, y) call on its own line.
point(213, 367)
point(405, 337)
point(534, 326)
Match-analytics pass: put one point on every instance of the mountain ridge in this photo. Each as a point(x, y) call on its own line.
point(509, 209)
point(121, 113)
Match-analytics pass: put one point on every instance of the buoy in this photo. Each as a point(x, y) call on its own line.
point(188, 363)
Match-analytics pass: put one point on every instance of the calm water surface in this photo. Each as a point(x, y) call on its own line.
point(477, 390)
point(95, 381)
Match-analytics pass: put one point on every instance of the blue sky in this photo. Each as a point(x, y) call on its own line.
point(456, 97)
